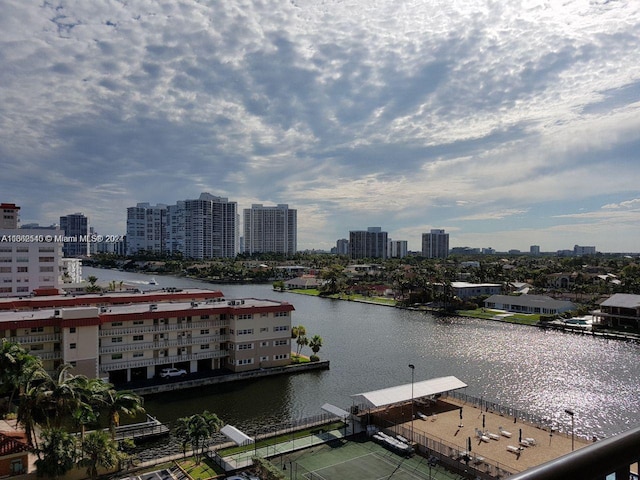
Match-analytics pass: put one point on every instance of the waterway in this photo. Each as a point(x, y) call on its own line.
point(370, 347)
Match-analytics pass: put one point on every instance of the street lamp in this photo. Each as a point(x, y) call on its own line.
point(413, 368)
point(571, 413)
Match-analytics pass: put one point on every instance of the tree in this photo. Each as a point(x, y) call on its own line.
point(57, 453)
point(197, 429)
point(298, 330)
point(301, 341)
point(121, 402)
point(92, 287)
point(99, 451)
point(315, 344)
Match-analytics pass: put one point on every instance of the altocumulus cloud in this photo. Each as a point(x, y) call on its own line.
point(516, 117)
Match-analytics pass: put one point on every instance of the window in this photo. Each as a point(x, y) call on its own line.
point(22, 269)
point(281, 314)
point(116, 324)
point(204, 331)
point(22, 249)
point(280, 328)
point(138, 338)
point(72, 346)
point(72, 329)
point(204, 346)
point(282, 356)
point(245, 346)
point(138, 354)
point(204, 317)
point(116, 356)
point(245, 316)
point(278, 343)
point(46, 259)
point(37, 329)
point(22, 289)
point(46, 269)
point(37, 347)
point(264, 344)
point(245, 361)
point(116, 339)
point(264, 329)
point(5, 269)
point(246, 331)
point(138, 322)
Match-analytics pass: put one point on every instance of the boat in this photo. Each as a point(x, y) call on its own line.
point(153, 281)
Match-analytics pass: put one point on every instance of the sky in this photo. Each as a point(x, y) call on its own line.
point(506, 123)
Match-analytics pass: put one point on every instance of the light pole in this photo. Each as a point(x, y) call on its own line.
point(413, 368)
point(571, 413)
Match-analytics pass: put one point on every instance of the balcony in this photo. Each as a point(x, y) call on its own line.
point(162, 344)
point(30, 339)
point(162, 328)
point(147, 362)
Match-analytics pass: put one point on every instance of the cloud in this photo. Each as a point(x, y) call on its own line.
point(472, 115)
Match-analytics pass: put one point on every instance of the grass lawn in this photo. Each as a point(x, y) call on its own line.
point(200, 471)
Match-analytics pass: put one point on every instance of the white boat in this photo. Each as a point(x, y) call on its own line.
point(153, 281)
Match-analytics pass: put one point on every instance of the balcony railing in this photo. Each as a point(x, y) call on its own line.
point(161, 344)
point(597, 461)
point(30, 339)
point(109, 367)
point(163, 327)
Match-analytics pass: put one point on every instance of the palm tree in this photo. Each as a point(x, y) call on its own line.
point(121, 402)
point(302, 341)
point(17, 367)
point(197, 429)
point(298, 330)
point(315, 344)
point(99, 451)
point(57, 453)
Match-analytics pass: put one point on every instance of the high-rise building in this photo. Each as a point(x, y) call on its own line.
point(76, 232)
point(210, 226)
point(435, 244)
point(534, 249)
point(30, 258)
point(580, 250)
point(342, 247)
point(146, 228)
point(398, 248)
point(370, 243)
point(270, 229)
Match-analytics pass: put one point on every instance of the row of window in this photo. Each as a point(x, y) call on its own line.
point(250, 361)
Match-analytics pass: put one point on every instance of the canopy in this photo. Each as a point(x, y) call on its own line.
point(332, 409)
point(403, 393)
point(236, 435)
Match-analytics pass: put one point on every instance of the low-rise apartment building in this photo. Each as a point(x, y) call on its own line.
point(134, 341)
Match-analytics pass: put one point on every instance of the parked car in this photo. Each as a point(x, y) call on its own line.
point(172, 372)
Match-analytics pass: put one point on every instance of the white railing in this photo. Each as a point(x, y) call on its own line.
point(109, 367)
point(163, 327)
point(161, 344)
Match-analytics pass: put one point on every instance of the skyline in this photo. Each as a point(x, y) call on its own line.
point(507, 125)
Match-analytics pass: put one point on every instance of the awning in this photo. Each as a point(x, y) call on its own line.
point(403, 393)
point(333, 410)
point(236, 435)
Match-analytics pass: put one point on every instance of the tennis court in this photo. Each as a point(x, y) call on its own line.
point(357, 461)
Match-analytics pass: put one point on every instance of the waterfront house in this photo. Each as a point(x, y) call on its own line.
point(619, 310)
point(534, 304)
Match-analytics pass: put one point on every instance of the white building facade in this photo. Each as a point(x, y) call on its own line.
point(270, 229)
point(146, 228)
point(435, 244)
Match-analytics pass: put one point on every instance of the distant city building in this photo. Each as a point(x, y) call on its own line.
point(10, 216)
point(76, 231)
point(342, 247)
point(210, 227)
point(579, 250)
point(146, 228)
point(534, 249)
point(488, 251)
point(270, 229)
point(71, 270)
point(435, 244)
point(30, 258)
point(370, 243)
point(398, 249)
point(464, 251)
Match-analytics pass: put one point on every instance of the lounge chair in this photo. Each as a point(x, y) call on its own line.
point(504, 433)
